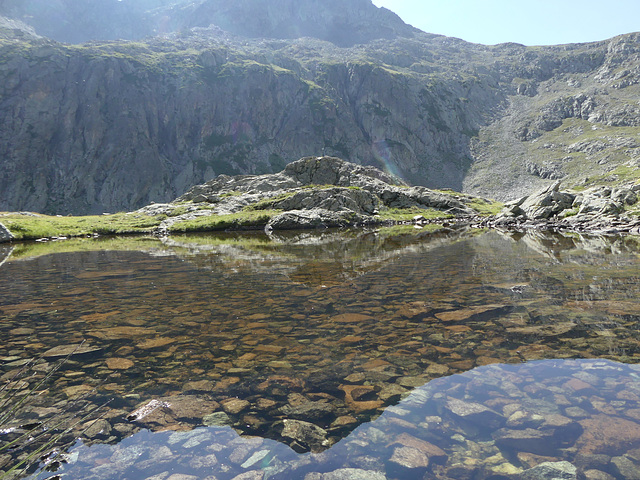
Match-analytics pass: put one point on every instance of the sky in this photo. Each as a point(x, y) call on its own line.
point(537, 22)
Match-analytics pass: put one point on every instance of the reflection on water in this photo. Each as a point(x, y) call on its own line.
point(560, 416)
point(302, 338)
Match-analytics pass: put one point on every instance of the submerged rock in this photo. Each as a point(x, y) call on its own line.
point(551, 471)
point(474, 413)
point(408, 461)
point(306, 436)
point(71, 350)
point(347, 474)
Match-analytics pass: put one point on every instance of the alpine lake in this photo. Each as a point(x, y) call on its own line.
point(360, 354)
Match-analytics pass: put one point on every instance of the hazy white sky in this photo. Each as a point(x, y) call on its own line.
point(537, 22)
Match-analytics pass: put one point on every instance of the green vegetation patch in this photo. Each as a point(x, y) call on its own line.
point(267, 204)
point(32, 227)
point(485, 207)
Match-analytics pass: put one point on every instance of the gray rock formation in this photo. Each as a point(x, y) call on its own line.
point(551, 202)
point(544, 204)
point(313, 218)
point(598, 209)
point(551, 471)
point(5, 234)
point(315, 192)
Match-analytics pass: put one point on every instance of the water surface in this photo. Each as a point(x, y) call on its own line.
point(265, 339)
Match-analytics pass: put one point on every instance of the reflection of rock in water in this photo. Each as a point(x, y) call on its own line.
point(546, 419)
point(5, 253)
point(309, 257)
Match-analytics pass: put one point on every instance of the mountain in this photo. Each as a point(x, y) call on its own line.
point(245, 88)
point(341, 22)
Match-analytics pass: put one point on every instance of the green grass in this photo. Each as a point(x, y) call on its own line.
point(27, 227)
point(232, 193)
point(268, 203)
point(486, 207)
point(483, 206)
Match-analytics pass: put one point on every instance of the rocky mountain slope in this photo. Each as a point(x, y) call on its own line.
point(114, 125)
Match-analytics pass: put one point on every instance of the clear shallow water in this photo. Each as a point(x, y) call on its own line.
point(270, 335)
point(493, 420)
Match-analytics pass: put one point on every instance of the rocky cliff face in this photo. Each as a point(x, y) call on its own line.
point(115, 125)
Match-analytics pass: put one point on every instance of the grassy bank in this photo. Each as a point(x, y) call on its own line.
point(31, 226)
point(35, 226)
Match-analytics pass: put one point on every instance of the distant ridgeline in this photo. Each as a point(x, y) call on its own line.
point(171, 94)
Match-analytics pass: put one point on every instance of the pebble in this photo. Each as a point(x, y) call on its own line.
point(119, 363)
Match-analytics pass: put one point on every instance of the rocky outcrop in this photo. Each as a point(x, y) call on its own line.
point(315, 192)
point(599, 208)
point(5, 234)
point(314, 218)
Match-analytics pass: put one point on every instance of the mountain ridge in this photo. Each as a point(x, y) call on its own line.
point(343, 22)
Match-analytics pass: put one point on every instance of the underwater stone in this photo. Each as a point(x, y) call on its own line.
point(597, 475)
point(119, 363)
point(347, 474)
point(408, 460)
point(551, 471)
point(308, 411)
point(625, 468)
point(527, 440)
point(235, 405)
point(475, 413)
point(306, 434)
point(217, 419)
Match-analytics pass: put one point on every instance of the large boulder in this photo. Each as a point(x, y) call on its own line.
point(307, 171)
point(334, 171)
point(605, 200)
point(5, 234)
point(398, 197)
point(547, 203)
point(336, 199)
point(313, 218)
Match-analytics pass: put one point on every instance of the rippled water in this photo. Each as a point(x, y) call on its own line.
point(284, 356)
